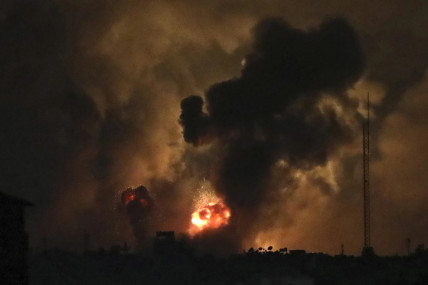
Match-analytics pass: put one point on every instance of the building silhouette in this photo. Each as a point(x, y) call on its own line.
point(164, 242)
point(13, 240)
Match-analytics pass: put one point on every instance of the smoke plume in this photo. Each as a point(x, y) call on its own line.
point(273, 111)
point(138, 204)
point(90, 101)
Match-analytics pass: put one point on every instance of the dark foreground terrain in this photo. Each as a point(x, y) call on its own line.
point(267, 267)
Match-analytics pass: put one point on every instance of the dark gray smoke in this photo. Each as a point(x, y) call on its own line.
point(90, 94)
point(272, 111)
point(138, 205)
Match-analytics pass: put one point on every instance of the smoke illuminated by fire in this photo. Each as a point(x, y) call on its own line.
point(138, 204)
point(127, 197)
point(137, 198)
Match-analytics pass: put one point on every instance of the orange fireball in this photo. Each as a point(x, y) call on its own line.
point(212, 215)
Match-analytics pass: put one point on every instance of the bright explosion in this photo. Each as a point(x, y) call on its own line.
point(212, 215)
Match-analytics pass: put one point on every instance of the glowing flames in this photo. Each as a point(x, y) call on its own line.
point(138, 196)
point(134, 197)
point(209, 210)
point(212, 215)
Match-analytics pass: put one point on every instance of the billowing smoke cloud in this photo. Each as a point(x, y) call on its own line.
point(90, 94)
point(78, 129)
point(273, 111)
point(138, 205)
point(399, 177)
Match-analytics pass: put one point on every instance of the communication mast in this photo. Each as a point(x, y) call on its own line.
point(367, 249)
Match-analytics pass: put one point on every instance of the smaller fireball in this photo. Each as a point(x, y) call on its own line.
point(136, 196)
point(137, 204)
point(212, 215)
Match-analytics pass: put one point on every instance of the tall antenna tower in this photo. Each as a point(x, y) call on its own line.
point(367, 249)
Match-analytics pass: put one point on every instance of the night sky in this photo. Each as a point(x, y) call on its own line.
point(255, 104)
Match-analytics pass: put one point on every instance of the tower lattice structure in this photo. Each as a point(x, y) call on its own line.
point(366, 168)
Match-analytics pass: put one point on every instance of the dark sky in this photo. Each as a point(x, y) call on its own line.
point(90, 104)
